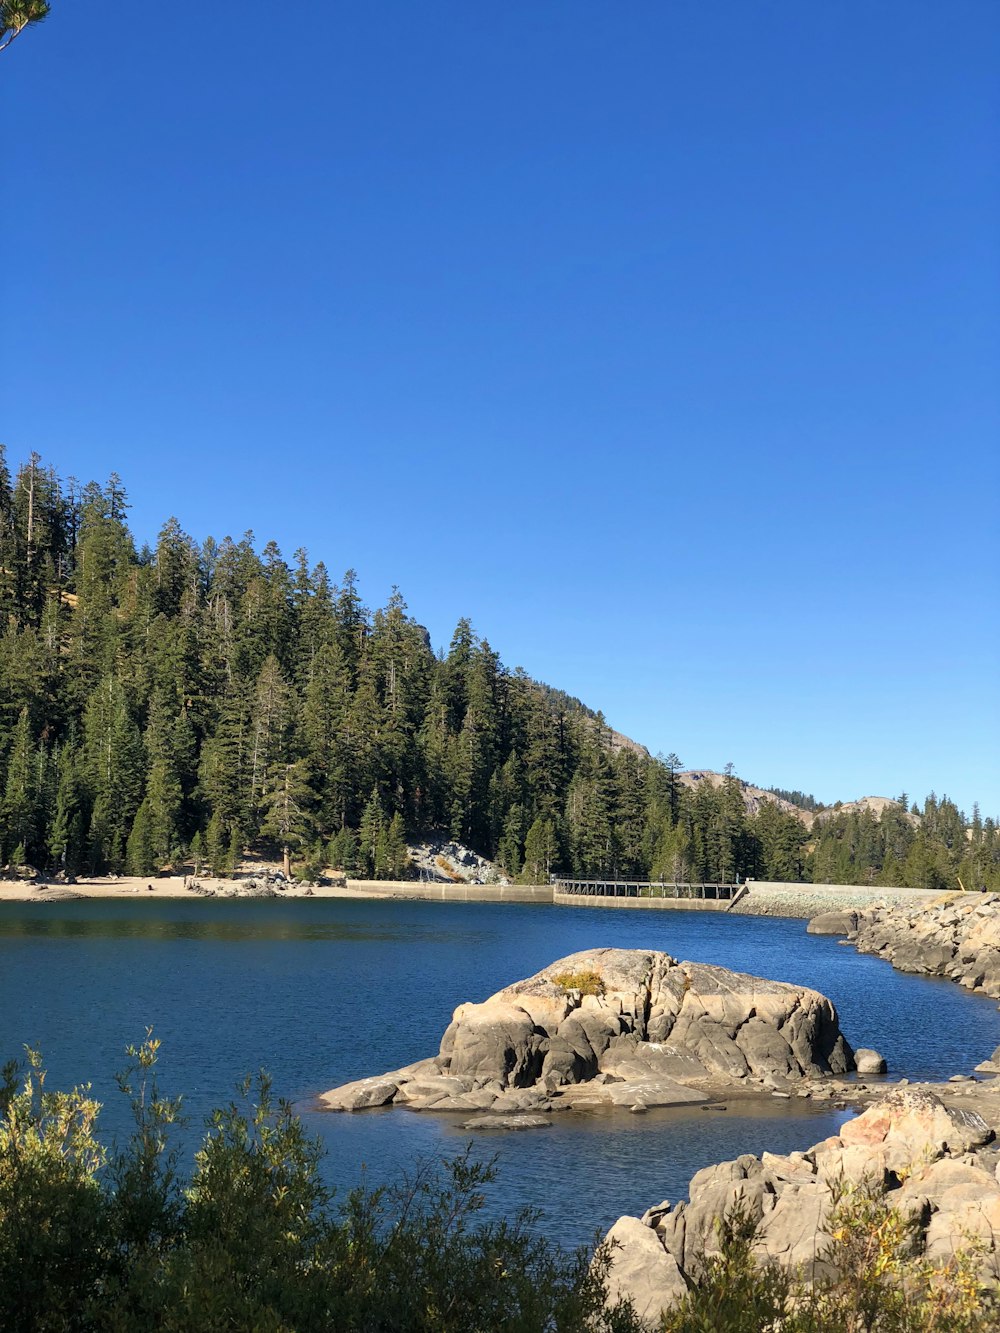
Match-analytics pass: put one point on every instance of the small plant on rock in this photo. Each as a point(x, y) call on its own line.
point(587, 983)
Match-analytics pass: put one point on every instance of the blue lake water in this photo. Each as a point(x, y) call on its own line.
point(320, 991)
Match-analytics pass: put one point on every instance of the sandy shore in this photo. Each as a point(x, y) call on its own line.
point(135, 886)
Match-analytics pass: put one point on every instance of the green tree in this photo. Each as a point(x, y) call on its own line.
point(216, 850)
point(371, 837)
point(539, 852)
point(16, 15)
point(511, 849)
point(270, 727)
point(140, 857)
point(164, 741)
point(325, 713)
point(115, 761)
point(19, 809)
point(287, 804)
point(67, 834)
point(342, 851)
point(397, 856)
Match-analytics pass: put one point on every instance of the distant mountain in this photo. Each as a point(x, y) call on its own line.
point(753, 797)
point(877, 805)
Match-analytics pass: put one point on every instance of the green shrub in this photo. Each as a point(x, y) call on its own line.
point(253, 1239)
point(587, 983)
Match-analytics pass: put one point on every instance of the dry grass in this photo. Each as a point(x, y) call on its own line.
point(443, 864)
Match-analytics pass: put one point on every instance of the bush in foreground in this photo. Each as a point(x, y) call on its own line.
point(252, 1239)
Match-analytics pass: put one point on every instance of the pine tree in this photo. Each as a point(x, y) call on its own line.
point(352, 621)
point(510, 851)
point(18, 811)
point(371, 837)
point(397, 856)
point(140, 857)
point(342, 850)
point(271, 728)
point(216, 846)
point(539, 852)
point(66, 836)
point(325, 716)
point(287, 807)
point(164, 793)
point(114, 759)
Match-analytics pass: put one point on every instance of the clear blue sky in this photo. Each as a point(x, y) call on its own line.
point(661, 339)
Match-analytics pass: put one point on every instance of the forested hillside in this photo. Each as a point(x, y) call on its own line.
point(205, 698)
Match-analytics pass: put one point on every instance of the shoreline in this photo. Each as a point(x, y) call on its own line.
point(772, 899)
point(145, 888)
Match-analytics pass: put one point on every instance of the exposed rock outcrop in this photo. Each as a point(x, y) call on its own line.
point(928, 1160)
point(447, 862)
point(625, 1027)
point(957, 936)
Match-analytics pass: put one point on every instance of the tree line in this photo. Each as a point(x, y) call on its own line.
point(195, 700)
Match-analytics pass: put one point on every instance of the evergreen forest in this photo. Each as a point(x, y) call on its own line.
point(196, 700)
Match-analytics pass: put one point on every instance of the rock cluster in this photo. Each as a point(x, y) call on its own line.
point(929, 1161)
point(444, 862)
point(957, 937)
point(255, 886)
point(619, 1027)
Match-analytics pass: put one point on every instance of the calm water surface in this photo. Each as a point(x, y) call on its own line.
point(322, 991)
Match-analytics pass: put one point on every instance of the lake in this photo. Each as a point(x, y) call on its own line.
point(321, 991)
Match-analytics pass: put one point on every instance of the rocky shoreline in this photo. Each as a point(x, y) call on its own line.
point(955, 936)
point(928, 1152)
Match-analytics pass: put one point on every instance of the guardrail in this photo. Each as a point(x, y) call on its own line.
point(632, 888)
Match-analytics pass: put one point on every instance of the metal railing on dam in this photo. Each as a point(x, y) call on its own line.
point(641, 888)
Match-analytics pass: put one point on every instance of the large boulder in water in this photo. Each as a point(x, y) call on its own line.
point(619, 1027)
point(840, 922)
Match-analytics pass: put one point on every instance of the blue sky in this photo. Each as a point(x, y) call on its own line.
point(660, 339)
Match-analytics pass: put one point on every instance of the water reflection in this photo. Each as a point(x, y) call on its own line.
point(145, 920)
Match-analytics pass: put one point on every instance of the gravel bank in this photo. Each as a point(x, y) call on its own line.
point(808, 900)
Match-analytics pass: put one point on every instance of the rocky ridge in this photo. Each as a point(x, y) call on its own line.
point(934, 1162)
point(753, 797)
point(615, 1027)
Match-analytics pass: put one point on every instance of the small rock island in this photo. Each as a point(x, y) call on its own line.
point(631, 1028)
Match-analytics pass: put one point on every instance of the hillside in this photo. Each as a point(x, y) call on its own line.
point(206, 698)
